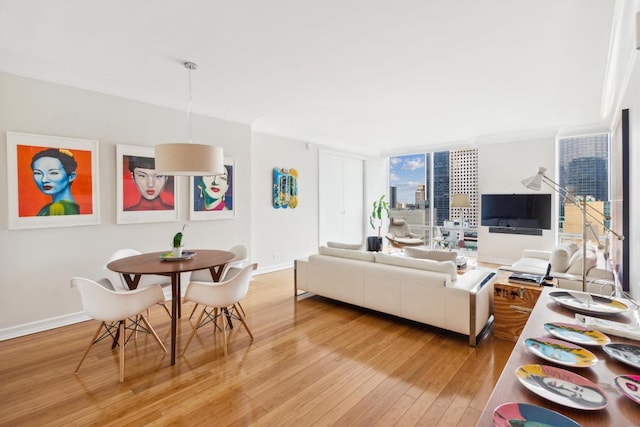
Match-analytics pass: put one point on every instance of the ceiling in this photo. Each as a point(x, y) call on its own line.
point(366, 76)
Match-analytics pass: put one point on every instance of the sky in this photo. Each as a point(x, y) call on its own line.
point(406, 173)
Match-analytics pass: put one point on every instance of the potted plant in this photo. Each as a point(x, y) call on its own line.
point(380, 207)
point(177, 243)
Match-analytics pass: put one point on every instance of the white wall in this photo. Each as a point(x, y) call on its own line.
point(281, 235)
point(501, 167)
point(36, 264)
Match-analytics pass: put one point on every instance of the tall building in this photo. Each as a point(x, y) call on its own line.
point(393, 196)
point(463, 179)
point(583, 164)
point(421, 197)
point(441, 186)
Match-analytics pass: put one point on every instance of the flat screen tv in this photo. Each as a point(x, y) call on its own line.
point(516, 210)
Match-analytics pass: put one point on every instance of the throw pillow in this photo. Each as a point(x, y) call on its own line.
point(346, 253)
point(559, 259)
point(422, 253)
point(575, 263)
point(350, 246)
point(446, 267)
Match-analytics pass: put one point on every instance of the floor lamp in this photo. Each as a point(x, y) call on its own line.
point(460, 201)
point(535, 183)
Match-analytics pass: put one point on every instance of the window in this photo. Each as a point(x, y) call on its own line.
point(421, 186)
point(583, 164)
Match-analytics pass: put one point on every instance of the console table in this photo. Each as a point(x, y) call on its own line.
point(621, 411)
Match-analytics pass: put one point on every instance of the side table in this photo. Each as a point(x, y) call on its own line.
point(512, 305)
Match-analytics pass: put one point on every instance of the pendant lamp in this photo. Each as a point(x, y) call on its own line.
point(189, 159)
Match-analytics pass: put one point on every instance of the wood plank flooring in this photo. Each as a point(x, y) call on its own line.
point(313, 362)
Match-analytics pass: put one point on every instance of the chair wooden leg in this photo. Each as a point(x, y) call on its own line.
point(244, 323)
point(193, 311)
point(193, 332)
point(153, 332)
point(93, 341)
point(241, 308)
point(167, 309)
point(122, 350)
point(224, 334)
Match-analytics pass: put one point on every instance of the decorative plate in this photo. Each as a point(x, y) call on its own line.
point(626, 353)
point(629, 385)
point(168, 256)
point(561, 352)
point(562, 387)
point(523, 414)
point(576, 334)
point(588, 303)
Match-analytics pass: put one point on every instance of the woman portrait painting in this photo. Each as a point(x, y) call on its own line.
point(214, 193)
point(59, 181)
point(143, 188)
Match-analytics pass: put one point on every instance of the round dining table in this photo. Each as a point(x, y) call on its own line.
point(133, 267)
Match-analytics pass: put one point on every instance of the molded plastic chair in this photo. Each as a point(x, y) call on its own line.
point(399, 235)
point(230, 269)
point(220, 300)
point(146, 280)
point(110, 307)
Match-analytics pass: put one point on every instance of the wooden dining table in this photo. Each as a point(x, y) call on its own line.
point(133, 267)
point(620, 411)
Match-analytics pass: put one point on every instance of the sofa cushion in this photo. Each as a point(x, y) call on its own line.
point(346, 253)
point(446, 267)
point(424, 253)
point(338, 245)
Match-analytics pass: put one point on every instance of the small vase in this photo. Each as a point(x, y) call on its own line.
point(177, 252)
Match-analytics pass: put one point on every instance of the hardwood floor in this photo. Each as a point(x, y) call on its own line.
point(313, 362)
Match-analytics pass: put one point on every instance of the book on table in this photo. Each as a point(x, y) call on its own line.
point(526, 279)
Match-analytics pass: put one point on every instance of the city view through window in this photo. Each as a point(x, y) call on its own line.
point(421, 187)
point(584, 171)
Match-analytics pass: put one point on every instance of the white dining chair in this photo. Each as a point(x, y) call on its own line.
point(220, 300)
point(114, 309)
point(146, 280)
point(232, 268)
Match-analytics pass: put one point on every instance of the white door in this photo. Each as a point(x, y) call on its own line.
point(341, 180)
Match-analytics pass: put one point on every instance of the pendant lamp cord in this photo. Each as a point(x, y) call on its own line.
point(190, 66)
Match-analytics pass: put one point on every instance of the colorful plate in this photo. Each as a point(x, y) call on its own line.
point(523, 414)
point(562, 387)
point(629, 385)
point(561, 352)
point(588, 303)
point(626, 353)
point(576, 334)
point(168, 256)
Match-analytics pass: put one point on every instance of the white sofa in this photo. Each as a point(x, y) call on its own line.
point(566, 267)
point(423, 290)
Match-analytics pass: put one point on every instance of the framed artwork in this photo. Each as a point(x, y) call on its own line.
point(52, 181)
point(285, 188)
point(143, 195)
point(211, 197)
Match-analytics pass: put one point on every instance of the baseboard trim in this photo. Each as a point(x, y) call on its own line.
point(69, 319)
point(42, 325)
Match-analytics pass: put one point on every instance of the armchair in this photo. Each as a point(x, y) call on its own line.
point(399, 235)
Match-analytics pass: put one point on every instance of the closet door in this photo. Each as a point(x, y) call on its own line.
point(341, 196)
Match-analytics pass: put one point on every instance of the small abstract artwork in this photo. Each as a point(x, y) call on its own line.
point(285, 188)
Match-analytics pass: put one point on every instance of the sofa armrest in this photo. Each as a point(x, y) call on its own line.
point(534, 253)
